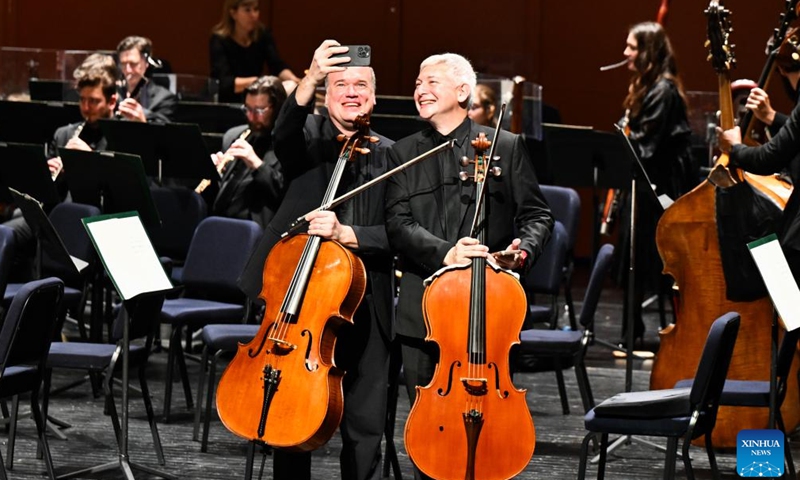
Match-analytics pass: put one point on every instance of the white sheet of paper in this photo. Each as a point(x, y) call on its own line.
point(782, 288)
point(79, 264)
point(129, 256)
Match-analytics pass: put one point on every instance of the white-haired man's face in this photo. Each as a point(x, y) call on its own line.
point(437, 93)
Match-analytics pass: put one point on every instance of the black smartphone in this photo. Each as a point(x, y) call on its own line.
point(360, 56)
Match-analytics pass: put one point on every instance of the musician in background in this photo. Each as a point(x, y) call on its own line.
point(484, 104)
point(429, 211)
point(240, 45)
point(142, 100)
point(656, 117)
point(252, 183)
point(779, 154)
point(97, 89)
point(307, 147)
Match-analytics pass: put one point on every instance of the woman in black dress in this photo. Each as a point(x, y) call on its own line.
point(238, 49)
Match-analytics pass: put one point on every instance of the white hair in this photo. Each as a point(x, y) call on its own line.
point(458, 68)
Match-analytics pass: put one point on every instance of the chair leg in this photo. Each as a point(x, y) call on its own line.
point(3, 475)
point(584, 386)
point(562, 388)
point(174, 343)
point(573, 323)
point(672, 454)
point(184, 374)
point(12, 433)
point(41, 422)
point(151, 418)
point(712, 457)
point(601, 465)
point(6, 414)
point(251, 454)
point(585, 454)
point(199, 401)
point(212, 381)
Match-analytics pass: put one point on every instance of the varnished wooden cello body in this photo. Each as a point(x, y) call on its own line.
point(688, 242)
point(471, 422)
point(283, 388)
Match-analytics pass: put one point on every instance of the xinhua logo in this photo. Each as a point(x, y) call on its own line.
point(759, 453)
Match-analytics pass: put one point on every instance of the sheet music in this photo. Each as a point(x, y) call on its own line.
point(781, 285)
point(128, 255)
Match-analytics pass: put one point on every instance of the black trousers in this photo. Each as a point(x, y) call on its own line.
point(362, 350)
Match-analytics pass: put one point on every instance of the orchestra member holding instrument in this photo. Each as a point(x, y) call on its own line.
point(656, 119)
point(779, 154)
point(97, 89)
point(252, 184)
point(142, 100)
point(307, 147)
point(239, 47)
point(429, 210)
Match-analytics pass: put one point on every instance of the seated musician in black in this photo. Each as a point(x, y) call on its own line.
point(779, 154)
point(142, 100)
point(252, 184)
point(308, 149)
point(97, 89)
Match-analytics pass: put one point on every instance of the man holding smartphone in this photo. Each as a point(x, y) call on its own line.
point(307, 148)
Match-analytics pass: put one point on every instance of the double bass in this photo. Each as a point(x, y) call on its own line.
point(688, 242)
point(283, 388)
point(460, 423)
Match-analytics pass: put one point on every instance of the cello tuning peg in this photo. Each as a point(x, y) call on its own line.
point(465, 161)
point(496, 158)
point(363, 151)
point(495, 171)
point(707, 43)
point(340, 137)
point(464, 176)
point(374, 139)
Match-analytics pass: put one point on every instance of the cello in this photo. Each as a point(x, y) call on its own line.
point(688, 242)
point(459, 424)
point(283, 388)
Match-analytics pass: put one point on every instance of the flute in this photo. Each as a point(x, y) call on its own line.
point(226, 159)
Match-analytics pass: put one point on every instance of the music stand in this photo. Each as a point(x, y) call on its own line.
point(23, 167)
point(135, 138)
point(35, 122)
point(639, 182)
point(185, 154)
point(142, 284)
point(114, 182)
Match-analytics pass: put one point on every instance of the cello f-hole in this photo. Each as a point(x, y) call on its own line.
point(311, 366)
point(500, 392)
point(449, 379)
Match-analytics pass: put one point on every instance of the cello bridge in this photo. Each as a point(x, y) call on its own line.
point(475, 386)
point(282, 346)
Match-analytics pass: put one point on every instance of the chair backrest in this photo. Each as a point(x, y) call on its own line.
point(66, 219)
point(28, 327)
point(565, 205)
point(602, 265)
point(181, 210)
point(713, 367)
point(219, 251)
point(6, 256)
point(546, 274)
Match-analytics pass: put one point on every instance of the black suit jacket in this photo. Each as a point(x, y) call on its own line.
point(307, 149)
point(159, 104)
point(416, 205)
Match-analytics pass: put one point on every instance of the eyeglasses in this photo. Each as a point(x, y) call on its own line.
point(254, 111)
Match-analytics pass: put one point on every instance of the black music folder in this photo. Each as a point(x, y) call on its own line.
point(24, 168)
point(114, 182)
point(172, 150)
point(35, 122)
point(582, 157)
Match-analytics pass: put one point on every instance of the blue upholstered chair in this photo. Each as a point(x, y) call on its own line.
point(219, 251)
point(6, 255)
point(27, 331)
point(181, 210)
point(560, 349)
point(755, 393)
point(544, 280)
point(66, 220)
point(672, 413)
point(218, 340)
point(102, 358)
point(565, 205)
